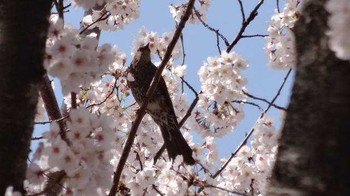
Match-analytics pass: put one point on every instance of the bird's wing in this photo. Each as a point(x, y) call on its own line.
point(166, 97)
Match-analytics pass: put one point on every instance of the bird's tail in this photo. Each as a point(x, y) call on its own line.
point(176, 144)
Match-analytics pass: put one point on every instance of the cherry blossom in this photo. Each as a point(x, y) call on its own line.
point(222, 84)
point(280, 46)
point(114, 13)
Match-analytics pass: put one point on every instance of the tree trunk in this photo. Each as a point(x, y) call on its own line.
point(23, 30)
point(314, 151)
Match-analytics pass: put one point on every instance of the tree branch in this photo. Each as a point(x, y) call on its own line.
point(52, 108)
point(245, 24)
point(189, 111)
point(157, 190)
point(50, 121)
point(104, 16)
point(264, 100)
point(255, 35)
point(242, 9)
point(248, 103)
point(48, 94)
point(278, 6)
point(106, 98)
point(216, 31)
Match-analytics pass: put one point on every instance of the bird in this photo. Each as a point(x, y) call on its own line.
point(160, 106)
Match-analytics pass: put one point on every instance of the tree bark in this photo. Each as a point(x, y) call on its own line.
point(314, 152)
point(23, 30)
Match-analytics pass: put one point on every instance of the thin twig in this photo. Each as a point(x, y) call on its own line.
point(106, 98)
point(189, 111)
point(252, 130)
point(189, 86)
point(264, 100)
point(279, 90)
point(156, 189)
point(218, 44)
point(183, 57)
point(278, 6)
point(129, 106)
point(158, 154)
point(216, 31)
point(38, 138)
point(141, 112)
point(139, 158)
point(103, 16)
point(248, 103)
point(252, 186)
point(67, 6)
point(183, 49)
point(255, 35)
point(206, 171)
point(50, 121)
point(242, 9)
point(245, 24)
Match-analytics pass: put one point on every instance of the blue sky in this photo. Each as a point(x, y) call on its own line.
point(201, 43)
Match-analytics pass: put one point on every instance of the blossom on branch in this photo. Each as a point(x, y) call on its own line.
point(280, 46)
point(222, 84)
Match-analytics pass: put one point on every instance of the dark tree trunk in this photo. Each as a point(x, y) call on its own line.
point(314, 152)
point(23, 30)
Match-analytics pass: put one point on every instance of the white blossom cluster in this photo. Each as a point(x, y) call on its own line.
point(280, 46)
point(109, 14)
point(165, 177)
point(77, 61)
point(249, 171)
point(143, 177)
point(207, 153)
point(178, 11)
point(339, 22)
point(96, 148)
point(86, 160)
point(222, 83)
point(101, 96)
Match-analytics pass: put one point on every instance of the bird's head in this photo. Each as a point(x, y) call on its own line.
point(142, 55)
